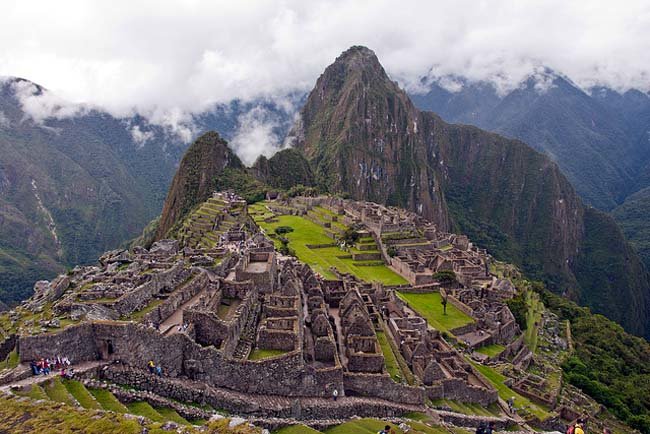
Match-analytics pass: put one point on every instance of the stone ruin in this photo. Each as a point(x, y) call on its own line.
point(206, 305)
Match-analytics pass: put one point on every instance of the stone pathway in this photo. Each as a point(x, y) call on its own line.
point(170, 325)
point(36, 379)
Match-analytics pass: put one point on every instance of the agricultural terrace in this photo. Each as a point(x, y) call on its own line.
point(429, 306)
point(522, 404)
point(306, 232)
point(371, 426)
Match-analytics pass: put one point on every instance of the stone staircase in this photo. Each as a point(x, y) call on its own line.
point(247, 336)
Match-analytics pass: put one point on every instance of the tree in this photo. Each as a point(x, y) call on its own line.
point(444, 304)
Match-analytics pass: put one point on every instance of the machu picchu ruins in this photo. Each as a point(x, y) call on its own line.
point(245, 313)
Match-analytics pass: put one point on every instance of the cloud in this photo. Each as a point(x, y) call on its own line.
point(40, 104)
point(4, 120)
point(139, 136)
point(171, 60)
point(257, 134)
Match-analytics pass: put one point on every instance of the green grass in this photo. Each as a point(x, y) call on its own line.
point(34, 391)
point(372, 426)
point(389, 357)
point(467, 408)
point(497, 379)
point(491, 350)
point(258, 354)
point(81, 394)
point(533, 317)
point(56, 391)
point(306, 232)
point(296, 429)
point(429, 305)
point(142, 408)
point(170, 414)
point(138, 315)
point(108, 401)
point(11, 361)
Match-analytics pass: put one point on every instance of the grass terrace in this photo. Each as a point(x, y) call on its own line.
point(305, 232)
point(497, 380)
point(491, 350)
point(392, 366)
point(429, 306)
point(259, 354)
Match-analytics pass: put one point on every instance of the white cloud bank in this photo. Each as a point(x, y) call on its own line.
point(167, 60)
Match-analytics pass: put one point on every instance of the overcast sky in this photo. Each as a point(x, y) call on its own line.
point(167, 58)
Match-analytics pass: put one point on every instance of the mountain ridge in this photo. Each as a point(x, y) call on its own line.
point(364, 137)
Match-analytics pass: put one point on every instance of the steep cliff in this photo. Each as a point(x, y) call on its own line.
point(363, 136)
point(196, 177)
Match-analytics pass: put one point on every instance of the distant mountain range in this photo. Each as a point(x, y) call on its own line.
point(71, 188)
point(600, 138)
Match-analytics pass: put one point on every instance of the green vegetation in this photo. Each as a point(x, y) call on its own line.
point(533, 319)
point(56, 391)
point(243, 183)
point(28, 416)
point(297, 429)
point(306, 232)
point(171, 414)
point(389, 357)
point(108, 401)
point(429, 305)
point(142, 408)
point(33, 391)
point(372, 426)
point(497, 379)
point(445, 276)
point(81, 394)
point(467, 408)
point(258, 354)
point(609, 364)
point(491, 350)
point(519, 309)
point(11, 361)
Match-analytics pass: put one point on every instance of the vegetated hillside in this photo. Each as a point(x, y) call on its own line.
point(595, 138)
point(194, 181)
point(633, 216)
point(363, 136)
point(609, 364)
point(285, 169)
point(71, 189)
point(97, 180)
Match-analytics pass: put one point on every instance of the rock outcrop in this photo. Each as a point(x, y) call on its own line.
point(194, 181)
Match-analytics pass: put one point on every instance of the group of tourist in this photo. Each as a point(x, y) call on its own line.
point(45, 366)
point(154, 369)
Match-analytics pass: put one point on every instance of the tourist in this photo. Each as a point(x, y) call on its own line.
point(159, 371)
point(335, 394)
point(152, 366)
point(490, 428)
point(511, 404)
point(387, 430)
point(607, 431)
point(579, 428)
point(34, 367)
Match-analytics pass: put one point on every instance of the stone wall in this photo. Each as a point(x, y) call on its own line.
point(138, 298)
point(7, 346)
point(177, 298)
point(458, 389)
point(382, 386)
point(192, 391)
